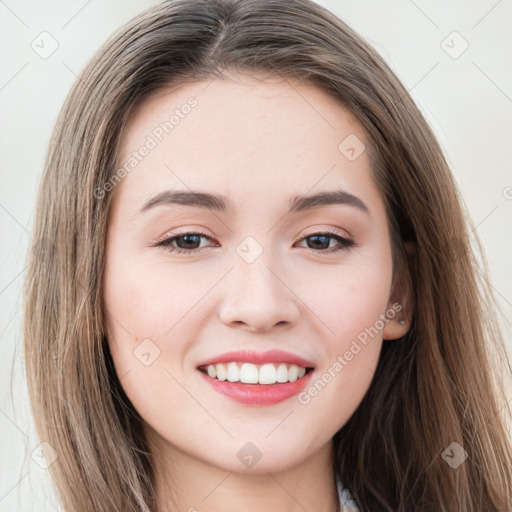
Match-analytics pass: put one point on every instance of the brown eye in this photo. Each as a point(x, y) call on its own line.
point(183, 243)
point(321, 242)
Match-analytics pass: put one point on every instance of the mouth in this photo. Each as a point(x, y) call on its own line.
point(256, 384)
point(255, 374)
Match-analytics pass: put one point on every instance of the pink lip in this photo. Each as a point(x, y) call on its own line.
point(250, 356)
point(258, 394)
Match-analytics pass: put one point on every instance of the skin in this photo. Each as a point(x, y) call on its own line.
point(259, 143)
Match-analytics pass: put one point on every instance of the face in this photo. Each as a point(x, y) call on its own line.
point(300, 288)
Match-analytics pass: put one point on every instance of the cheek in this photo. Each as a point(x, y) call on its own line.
point(359, 316)
point(148, 300)
point(144, 314)
point(349, 298)
point(153, 317)
point(352, 303)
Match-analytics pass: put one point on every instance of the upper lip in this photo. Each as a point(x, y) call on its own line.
point(251, 356)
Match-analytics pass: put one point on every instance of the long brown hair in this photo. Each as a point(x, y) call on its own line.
point(435, 386)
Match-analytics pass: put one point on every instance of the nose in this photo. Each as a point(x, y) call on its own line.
point(257, 298)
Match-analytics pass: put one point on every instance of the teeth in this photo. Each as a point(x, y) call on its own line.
point(233, 372)
point(293, 373)
point(220, 369)
point(268, 374)
point(282, 373)
point(248, 373)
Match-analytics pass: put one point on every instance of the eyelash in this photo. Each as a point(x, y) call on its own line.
point(345, 243)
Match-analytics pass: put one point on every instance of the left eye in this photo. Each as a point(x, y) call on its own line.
point(320, 242)
point(322, 239)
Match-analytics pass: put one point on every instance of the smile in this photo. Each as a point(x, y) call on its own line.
point(254, 378)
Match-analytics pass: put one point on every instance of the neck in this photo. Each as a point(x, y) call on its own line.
point(184, 482)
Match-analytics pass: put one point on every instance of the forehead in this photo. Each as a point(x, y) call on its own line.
point(249, 136)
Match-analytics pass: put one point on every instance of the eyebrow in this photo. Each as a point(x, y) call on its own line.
point(220, 203)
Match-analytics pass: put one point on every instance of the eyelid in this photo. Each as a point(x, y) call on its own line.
point(330, 230)
point(185, 231)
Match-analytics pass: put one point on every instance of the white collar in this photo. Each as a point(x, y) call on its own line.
point(347, 504)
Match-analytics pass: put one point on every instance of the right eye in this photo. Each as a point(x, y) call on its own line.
point(188, 242)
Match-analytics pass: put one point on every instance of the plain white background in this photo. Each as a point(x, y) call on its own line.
point(454, 57)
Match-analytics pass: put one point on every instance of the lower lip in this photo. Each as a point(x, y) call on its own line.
point(258, 394)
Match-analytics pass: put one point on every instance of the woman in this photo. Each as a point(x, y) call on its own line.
point(259, 290)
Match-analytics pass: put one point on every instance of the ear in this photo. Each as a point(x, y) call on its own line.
point(401, 301)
